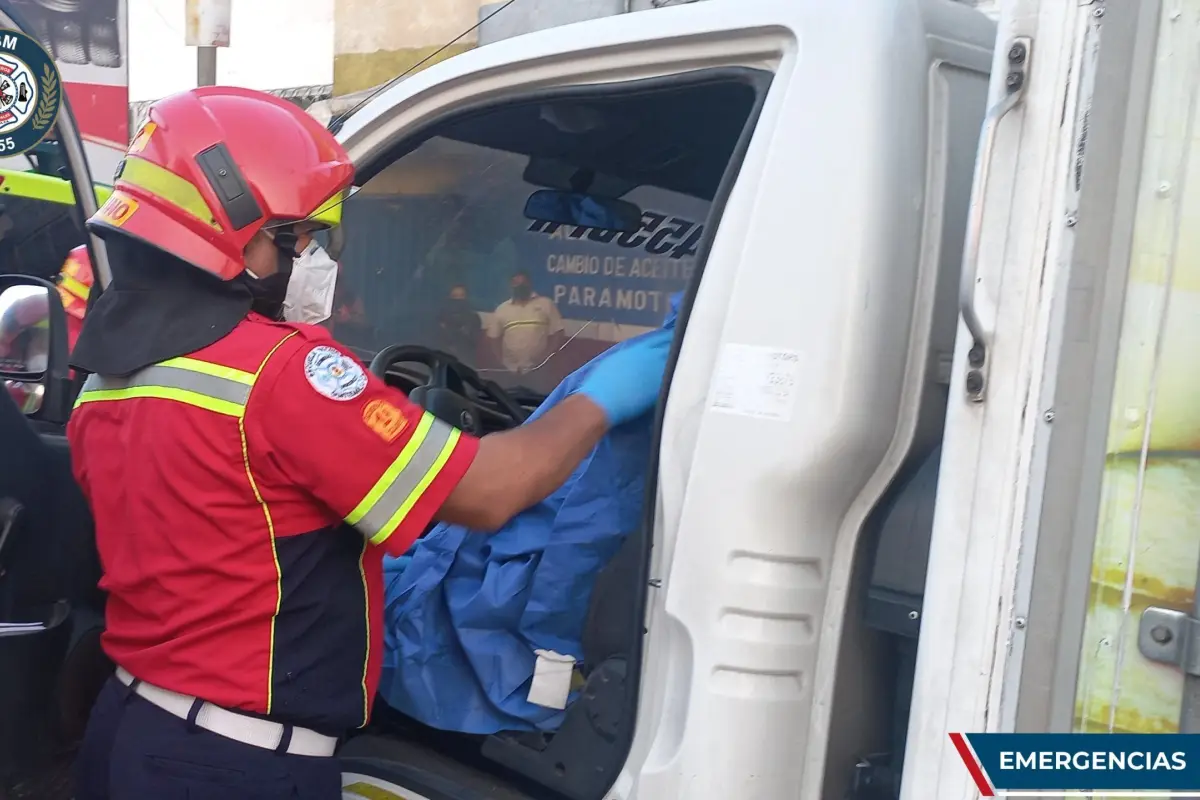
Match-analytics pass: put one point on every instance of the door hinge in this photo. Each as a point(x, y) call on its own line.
point(1171, 637)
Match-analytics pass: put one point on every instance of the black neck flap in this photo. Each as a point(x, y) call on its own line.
point(157, 307)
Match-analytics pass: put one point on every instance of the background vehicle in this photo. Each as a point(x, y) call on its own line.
point(38, 223)
point(758, 635)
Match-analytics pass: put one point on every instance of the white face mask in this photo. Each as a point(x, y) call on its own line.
point(310, 290)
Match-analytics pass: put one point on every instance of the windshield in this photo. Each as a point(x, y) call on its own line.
point(438, 250)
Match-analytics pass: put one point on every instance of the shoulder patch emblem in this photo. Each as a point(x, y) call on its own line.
point(333, 374)
point(385, 419)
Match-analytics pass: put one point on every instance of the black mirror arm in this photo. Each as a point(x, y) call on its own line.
point(56, 405)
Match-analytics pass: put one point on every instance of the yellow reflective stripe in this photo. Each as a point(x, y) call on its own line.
point(74, 286)
point(401, 485)
point(168, 186)
point(215, 370)
point(392, 472)
point(163, 393)
point(369, 792)
point(434, 470)
point(223, 390)
point(47, 188)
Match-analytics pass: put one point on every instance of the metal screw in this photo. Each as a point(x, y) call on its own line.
point(1016, 53)
point(223, 173)
point(1019, 623)
point(914, 614)
point(1014, 80)
point(1161, 634)
point(1098, 12)
point(1072, 220)
point(974, 381)
point(1049, 416)
point(975, 355)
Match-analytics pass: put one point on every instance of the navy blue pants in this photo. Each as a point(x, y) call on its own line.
point(133, 750)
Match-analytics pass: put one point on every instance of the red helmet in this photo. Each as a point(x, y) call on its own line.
point(213, 166)
point(75, 282)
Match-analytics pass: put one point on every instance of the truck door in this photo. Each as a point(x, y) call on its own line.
point(51, 669)
point(658, 109)
point(808, 297)
point(1062, 587)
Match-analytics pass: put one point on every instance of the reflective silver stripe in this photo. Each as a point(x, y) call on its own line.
point(408, 481)
point(185, 380)
point(92, 384)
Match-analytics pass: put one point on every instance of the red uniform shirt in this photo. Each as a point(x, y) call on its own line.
point(74, 328)
point(224, 486)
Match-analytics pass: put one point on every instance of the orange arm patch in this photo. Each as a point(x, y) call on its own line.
point(385, 419)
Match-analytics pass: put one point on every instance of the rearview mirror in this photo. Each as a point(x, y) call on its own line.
point(33, 346)
point(584, 210)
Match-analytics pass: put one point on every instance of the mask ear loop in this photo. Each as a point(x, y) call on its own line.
point(285, 241)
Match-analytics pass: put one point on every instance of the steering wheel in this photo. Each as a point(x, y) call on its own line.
point(454, 393)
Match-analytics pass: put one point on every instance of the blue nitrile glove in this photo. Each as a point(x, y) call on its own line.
point(625, 384)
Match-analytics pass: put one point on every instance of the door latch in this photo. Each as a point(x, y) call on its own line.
point(1167, 636)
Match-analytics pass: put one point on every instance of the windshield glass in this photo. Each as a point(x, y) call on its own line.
point(438, 250)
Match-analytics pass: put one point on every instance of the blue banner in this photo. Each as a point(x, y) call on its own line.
point(1003, 763)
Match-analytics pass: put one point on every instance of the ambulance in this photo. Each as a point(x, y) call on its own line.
point(926, 459)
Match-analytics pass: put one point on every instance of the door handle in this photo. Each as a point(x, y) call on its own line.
point(1019, 52)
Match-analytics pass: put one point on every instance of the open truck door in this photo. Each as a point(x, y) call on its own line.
point(51, 613)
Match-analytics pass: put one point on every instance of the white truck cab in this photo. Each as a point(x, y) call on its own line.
point(831, 148)
point(876, 463)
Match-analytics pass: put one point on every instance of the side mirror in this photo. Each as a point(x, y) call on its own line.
point(584, 210)
point(33, 347)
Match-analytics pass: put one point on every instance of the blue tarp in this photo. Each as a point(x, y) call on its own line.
point(466, 611)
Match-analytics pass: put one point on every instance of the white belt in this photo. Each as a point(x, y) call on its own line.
point(239, 727)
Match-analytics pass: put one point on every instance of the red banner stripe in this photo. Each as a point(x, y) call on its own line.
point(973, 767)
point(101, 112)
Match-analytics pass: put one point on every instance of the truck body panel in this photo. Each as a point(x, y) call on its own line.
point(1146, 547)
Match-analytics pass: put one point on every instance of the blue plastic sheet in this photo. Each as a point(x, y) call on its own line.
point(466, 611)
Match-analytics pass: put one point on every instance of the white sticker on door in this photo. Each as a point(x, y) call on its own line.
point(755, 381)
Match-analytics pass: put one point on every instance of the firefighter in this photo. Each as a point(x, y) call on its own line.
point(246, 474)
point(74, 286)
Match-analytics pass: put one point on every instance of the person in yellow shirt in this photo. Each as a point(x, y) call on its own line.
point(527, 327)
